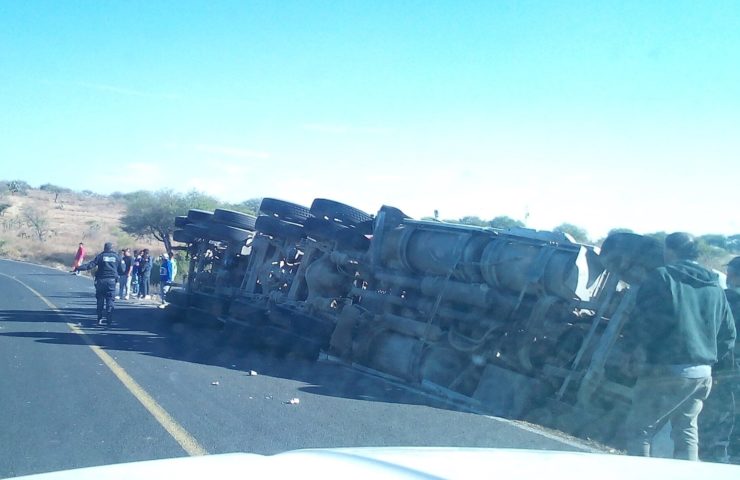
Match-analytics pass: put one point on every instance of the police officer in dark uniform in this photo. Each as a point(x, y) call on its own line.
point(108, 264)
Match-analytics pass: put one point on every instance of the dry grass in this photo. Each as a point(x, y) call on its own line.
point(74, 218)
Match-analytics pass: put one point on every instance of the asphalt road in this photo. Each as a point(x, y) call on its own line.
point(76, 395)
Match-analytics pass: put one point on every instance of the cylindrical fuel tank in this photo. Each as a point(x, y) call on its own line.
point(516, 266)
point(433, 251)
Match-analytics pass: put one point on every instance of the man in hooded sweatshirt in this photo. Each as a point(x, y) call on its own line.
point(680, 327)
point(719, 437)
point(107, 263)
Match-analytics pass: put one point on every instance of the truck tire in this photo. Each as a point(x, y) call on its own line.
point(219, 231)
point(289, 212)
point(182, 236)
point(321, 228)
point(352, 239)
point(275, 227)
point(338, 212)
point(196, 230)
point(234, 219)
point(181, 221)
point(199, 216)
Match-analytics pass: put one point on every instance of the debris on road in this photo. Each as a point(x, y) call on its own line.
point(216, 383)
point(294, 401)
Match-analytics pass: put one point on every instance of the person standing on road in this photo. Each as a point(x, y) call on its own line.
point(719, 422)
point(680, 326)
point(79, 257)
point(173, 261)
point(145, 272)
point(107, 263)
point(165, 277)
point(125, 280)
point(135, 273)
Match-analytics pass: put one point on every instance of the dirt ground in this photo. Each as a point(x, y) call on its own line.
point(70, 219)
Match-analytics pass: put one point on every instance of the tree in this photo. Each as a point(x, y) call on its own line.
point(619, 230)
point(37, 221)
point(715, 240)
point(54, 189)
point(505, 222)
point(200, 200)
point(659, 236)
point(579, 234)
point(733, 243)
point(3, 208)
point(153, 213)
point(251, 206)
point(473, 220)
point(18, 187)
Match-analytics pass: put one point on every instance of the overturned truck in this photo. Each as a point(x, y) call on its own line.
point(518, 323)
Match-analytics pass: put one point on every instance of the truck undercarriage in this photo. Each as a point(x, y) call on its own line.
point(518, 323)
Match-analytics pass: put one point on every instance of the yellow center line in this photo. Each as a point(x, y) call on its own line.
point(181, 436)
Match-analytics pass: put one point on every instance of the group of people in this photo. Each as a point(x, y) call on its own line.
point(682, 333)
point(123, 275)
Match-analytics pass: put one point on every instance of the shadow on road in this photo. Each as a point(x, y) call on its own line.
point(151, 331)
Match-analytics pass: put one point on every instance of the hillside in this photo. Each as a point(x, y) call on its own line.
point(45, 225)
point(42, 227)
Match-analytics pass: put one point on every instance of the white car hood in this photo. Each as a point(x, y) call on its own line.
point(407, 462)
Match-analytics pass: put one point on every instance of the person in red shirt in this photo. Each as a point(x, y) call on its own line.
point(79, 258)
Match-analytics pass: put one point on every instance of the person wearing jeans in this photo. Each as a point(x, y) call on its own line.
point(124, 280)
point(136, 260)
point(145, 271)
point(681, 326)
point(165, 277)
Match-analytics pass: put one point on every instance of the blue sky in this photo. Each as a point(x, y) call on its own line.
point(603, 114)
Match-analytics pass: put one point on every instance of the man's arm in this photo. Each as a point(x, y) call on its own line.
point(643, 323)
point(726, 337)
point(87, 266)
